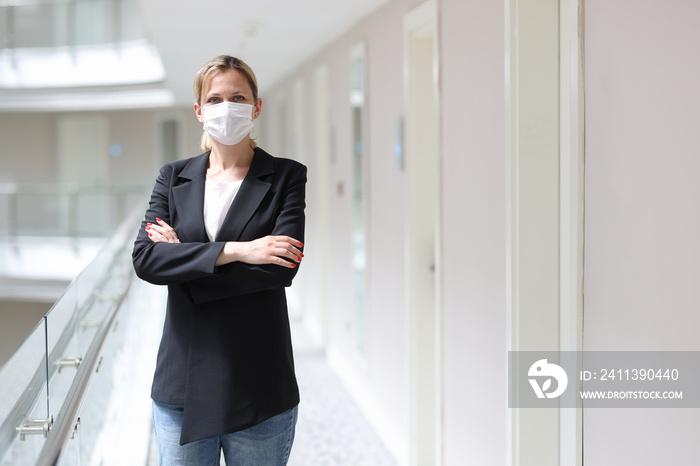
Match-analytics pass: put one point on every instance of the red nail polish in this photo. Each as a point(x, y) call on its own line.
point(150, 234)
point(302, 254)
point(148, 228)
point(149, 224)
point(294, 265)
point(158, 220)
point(301, 245)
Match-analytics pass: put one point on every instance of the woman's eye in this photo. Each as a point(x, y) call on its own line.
point(213, 100)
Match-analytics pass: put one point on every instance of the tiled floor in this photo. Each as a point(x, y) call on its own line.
point(331, 430)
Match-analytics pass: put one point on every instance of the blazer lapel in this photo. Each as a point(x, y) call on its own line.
point(188, 198)
point(250, 194)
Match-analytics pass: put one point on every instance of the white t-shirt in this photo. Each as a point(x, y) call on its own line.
point(218, 198)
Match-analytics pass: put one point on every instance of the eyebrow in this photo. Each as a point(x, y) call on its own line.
point(235, 92)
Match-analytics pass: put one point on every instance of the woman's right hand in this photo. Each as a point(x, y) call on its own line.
point(265, 250)
point(161, 232)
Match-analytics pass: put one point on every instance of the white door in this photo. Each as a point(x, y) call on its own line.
point(422, 172)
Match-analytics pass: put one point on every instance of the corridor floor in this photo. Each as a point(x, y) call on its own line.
point(331, 429)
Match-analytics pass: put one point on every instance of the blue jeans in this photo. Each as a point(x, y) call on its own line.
point(266, 444)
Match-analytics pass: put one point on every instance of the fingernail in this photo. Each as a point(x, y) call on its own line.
point(294, 265)
point(149, 224)
point(301, 245)
point(148, 228)
point(150, 234)
point(158, 220)
point(302, 254)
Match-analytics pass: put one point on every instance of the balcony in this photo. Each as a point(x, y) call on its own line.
point(77, 55)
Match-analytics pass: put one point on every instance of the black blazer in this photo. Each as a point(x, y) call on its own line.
point(226, 351)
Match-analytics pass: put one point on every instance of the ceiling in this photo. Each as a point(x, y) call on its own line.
point(272, 36)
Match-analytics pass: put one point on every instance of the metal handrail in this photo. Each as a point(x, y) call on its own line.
point(63, 188)
point(23, 406)
point(44, 372)
point(117, 283)
point(67, 420)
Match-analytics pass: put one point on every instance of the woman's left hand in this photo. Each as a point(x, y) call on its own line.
point(161, 232)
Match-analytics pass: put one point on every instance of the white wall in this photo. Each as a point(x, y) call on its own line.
point(474, 211)
point(473, 192)
point(18, 319)
point(29, 149)
point(642, 249)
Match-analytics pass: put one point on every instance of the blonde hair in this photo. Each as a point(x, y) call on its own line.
point(215, 65)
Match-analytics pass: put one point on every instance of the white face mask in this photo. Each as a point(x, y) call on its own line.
point(228, 122)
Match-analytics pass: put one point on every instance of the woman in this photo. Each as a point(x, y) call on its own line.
point(223, 230)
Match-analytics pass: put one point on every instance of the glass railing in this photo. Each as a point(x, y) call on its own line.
point(68, 23)
point(80, 379)
point(64, 209)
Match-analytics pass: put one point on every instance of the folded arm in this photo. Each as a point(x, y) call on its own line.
point(265, 263)
point(165, 263)
point(222, 269)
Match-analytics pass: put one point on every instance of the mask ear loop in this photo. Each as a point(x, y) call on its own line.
point(253, 142)
point(252, 121)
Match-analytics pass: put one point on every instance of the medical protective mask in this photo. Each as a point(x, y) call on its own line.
point(228, 122)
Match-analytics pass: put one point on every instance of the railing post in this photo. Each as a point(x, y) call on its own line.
point(9, 39)
point(13, 214)
point(73, 191)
